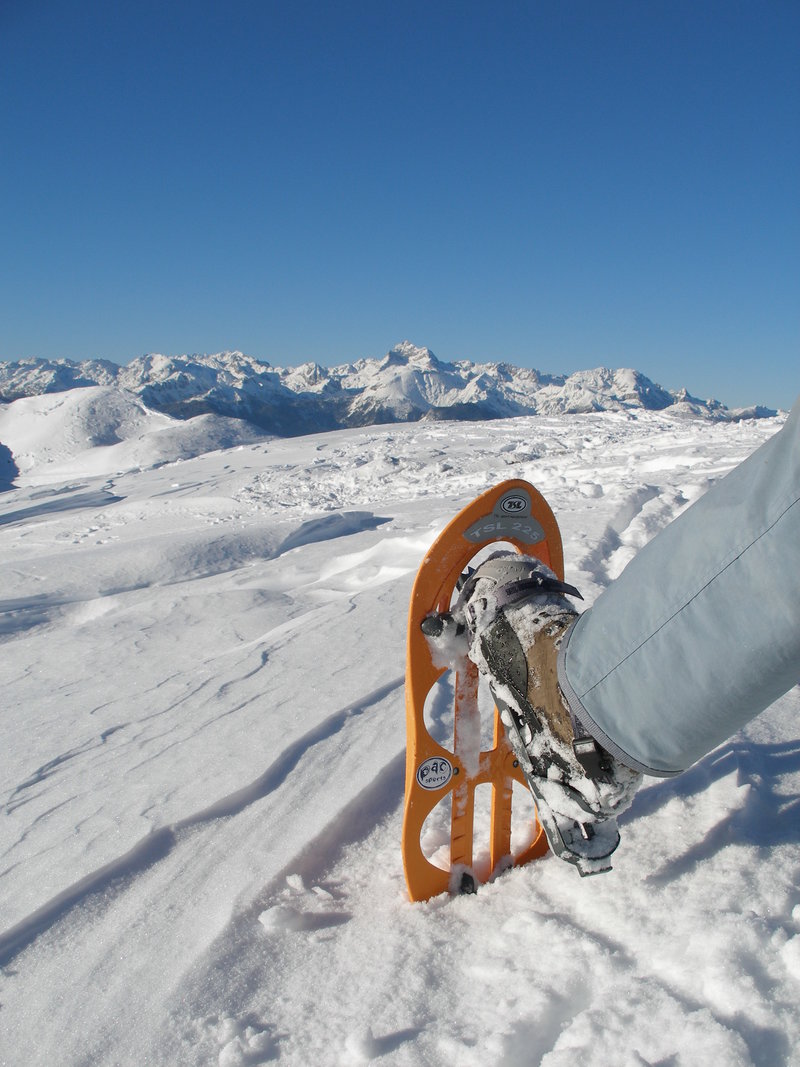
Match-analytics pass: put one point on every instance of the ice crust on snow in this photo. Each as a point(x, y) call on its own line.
point(199, 733)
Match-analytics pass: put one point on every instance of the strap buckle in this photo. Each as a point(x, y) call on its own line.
point(590, 756)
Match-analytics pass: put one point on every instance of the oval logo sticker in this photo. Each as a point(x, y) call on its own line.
point(434, 773)
point(513, 505)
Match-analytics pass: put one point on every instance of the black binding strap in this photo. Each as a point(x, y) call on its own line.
point(536, 585)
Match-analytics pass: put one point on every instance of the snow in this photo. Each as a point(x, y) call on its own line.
point(102, 430)
point(203, 755)
point(408, 384)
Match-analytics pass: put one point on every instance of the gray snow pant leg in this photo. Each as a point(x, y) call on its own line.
point(701, 631)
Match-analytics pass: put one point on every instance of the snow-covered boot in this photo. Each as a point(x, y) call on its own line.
point(514, 613)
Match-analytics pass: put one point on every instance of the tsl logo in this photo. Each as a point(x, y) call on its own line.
point(513, 505)
point(434, 773)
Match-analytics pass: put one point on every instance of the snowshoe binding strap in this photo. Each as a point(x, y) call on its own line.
point(515, 579)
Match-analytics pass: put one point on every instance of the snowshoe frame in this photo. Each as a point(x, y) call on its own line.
point(513, 512)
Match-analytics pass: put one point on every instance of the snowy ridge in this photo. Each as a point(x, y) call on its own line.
point(203, 746)
point(408, 384)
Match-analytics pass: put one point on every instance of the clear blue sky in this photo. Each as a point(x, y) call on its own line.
point(558, 184)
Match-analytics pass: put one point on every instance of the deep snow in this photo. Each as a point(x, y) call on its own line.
point(203, 756)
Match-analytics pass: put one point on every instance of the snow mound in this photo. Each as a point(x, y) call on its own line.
point(102, 430)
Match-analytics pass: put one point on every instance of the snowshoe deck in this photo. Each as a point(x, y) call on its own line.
point(515, 513)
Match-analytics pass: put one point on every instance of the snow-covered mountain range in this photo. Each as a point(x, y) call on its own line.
point(407, 384)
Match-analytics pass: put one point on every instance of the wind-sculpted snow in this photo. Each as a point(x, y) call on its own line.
point(328, 528)
point(8, 468)
point(203, 742)
point(407, 385)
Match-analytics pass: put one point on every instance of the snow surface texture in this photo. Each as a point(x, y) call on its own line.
point(203, 753)
point(408, 384)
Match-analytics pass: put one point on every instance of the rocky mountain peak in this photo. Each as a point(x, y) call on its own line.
point(407, 384)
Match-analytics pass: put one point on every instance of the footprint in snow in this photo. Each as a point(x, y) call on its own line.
point(302, 910)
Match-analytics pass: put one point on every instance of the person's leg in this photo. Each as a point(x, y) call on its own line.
point(701, 631)
point(697, 636)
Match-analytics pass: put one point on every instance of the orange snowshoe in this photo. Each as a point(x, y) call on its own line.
point(446, 772)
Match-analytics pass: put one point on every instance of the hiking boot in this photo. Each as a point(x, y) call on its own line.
point(514, 612)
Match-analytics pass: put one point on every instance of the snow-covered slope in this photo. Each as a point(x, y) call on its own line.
point(408, 384)
point(202, 774)
point(102, 430)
